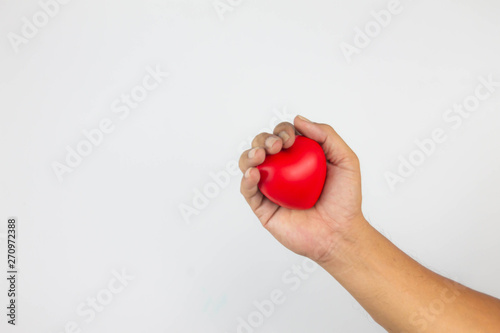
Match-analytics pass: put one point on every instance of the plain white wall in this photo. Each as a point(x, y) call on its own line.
point(230, 74)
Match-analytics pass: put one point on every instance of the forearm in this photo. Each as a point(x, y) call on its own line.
point(402, 295)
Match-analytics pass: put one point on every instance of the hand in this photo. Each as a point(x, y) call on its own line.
point(392, 287)
point(315, 232)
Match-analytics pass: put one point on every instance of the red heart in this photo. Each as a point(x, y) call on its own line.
point(294, 177)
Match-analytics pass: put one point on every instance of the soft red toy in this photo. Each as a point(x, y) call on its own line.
point(294, 177)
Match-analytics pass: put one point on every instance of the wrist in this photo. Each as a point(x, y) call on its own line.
point(346, 246)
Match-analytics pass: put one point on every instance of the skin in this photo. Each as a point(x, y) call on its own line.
point(399, 293)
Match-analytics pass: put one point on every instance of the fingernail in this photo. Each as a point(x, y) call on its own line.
point(271, 141)
point(247, 173)
point(284, 136)
point(252, 152)
point(304, 119)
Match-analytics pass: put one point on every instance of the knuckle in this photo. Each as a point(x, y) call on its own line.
point(355, 159)
point(282, 126)
point(243, 156)
point(243, 161)
point(258, 138)
point(327, 128)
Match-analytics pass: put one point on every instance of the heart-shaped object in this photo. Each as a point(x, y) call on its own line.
point(294, 177)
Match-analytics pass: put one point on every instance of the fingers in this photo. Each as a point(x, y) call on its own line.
point(263, 208)
point(271, 143)
point(265, 143)
point(251, 158)
point(336, 150)
point(286, 132)
point(249, 188)
point(283, 137)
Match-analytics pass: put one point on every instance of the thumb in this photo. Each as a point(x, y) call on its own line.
point(336, 150)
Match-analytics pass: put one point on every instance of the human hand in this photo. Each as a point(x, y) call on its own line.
point(315, 232)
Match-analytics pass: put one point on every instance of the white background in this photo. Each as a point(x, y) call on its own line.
point(120, 208)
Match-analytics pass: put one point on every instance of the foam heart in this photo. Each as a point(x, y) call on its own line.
point(294, 177)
